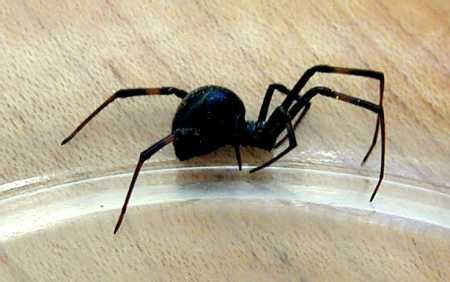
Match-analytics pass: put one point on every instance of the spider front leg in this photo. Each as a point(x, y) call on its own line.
point(268, 98)
point(145, 155)
point(266, 103)
point(297, 122)
point(345, 71)
point(126, 93)
point(291, 137)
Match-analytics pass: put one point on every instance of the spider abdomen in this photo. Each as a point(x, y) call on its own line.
point(209, 117)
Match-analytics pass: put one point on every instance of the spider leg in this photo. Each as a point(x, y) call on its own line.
point(324, 91)
point(339, 70)
point(268, 97)
point(266, 103)
point(145, 155)
point(292, 145)
point(374, 142)
point(238, 155)
point(297, 122)
point(237, 144)
point(125, 93)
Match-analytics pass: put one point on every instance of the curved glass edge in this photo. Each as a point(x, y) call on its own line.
point(40, 208)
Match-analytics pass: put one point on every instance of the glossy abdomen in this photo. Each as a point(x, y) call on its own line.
point(207, 118)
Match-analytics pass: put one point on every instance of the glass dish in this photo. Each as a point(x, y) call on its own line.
point(207, 222)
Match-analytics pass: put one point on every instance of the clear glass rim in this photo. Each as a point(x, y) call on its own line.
point(24, 210)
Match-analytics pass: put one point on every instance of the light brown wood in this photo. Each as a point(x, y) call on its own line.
point(61, 59)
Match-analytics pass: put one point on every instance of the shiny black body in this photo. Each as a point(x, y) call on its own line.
point(210, 117)
point(207, 118)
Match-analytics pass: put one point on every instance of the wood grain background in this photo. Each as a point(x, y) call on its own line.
point(60, 59)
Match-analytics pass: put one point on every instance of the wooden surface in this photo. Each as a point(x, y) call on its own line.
point(60, 59)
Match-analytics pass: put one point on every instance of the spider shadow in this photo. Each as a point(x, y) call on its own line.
point(221, 178)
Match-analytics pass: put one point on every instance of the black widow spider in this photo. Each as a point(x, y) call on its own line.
point(210, 117)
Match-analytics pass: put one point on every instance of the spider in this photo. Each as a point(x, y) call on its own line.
point(211, 116)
